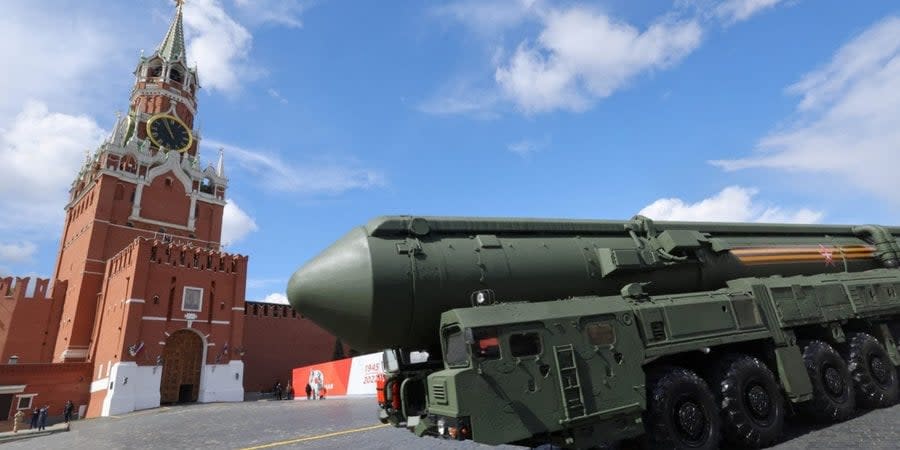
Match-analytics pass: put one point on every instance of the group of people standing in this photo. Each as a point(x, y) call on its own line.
point(39, 416)
point(314, 391)
point(283, 393)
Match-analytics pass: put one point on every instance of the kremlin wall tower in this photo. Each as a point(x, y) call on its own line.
point(145, 308)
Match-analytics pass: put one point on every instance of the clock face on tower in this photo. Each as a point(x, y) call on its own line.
point(169, 132)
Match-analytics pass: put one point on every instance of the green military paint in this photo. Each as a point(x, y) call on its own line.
point(576, 332)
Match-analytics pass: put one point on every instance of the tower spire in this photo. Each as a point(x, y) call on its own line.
point(220, 167)
point(172, 47)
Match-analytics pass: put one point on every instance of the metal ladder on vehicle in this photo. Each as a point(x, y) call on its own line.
point(569, 383)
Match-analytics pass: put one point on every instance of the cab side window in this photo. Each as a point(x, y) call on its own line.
point(525, 344)
point(485, 343)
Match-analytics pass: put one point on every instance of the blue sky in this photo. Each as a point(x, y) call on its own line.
point(332, 113)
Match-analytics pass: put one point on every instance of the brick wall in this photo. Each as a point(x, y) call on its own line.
point(277, 340)
point(28, 323)
point(53, 384)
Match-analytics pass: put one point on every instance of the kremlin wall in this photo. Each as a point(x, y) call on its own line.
point(145, 308)
point(270, 351)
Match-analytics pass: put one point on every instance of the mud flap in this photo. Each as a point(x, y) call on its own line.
point(425, 424)
point(792, 373)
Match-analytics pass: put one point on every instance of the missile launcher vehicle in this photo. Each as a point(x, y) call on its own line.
point(578, 333)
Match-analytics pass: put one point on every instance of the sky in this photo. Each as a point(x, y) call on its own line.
point(331, 113)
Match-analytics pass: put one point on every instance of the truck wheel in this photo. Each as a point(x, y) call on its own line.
point(681, 412)
point(750, 399)
point(873, 373)
point(833, 399)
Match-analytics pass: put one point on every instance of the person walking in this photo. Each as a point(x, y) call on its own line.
point(42, 420)
point(308, 391)
point(67, 411)
point(34, 418)
point(289, 391)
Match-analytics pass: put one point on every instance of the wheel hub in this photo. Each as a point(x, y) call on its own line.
point(879, 370)
point(759, 402)
point(834, 382)
point(691, 420)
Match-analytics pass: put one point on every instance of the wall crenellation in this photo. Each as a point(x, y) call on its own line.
point(277, 310)
point(200, 258)
point(123, 259)
point(177, 254)
point(17, 290)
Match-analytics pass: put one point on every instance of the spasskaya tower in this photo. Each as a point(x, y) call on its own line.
point(145, 308)
point(144, 192)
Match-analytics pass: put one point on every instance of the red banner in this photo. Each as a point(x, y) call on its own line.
point(332, 376)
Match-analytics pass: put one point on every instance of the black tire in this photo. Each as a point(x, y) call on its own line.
point(752, 406)
point(832, 388)
point(874, 375)
point(681, 411)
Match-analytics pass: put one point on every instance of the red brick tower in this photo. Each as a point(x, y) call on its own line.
point(144, 181)
point(145, 308)
point(151, 302)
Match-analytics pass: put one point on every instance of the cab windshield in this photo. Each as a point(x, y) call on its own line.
point(455, 353)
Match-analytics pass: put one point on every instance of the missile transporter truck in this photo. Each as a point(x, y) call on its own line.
point(580, 333)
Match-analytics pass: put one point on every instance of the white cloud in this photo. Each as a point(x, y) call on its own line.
point(17, 253)
point(277, 96)
point(219, 45)
point(69, 48)
point(847, 127)
point(279, 12)
point(281, 175)
point(582, 55)
point(275, 297)
point(523, 148)
point(462, 98)
point(527, 147)
point(488, 16)
point(731, 11)
point(236, 224)
point(42, 153)
point(853, 64)
point(732, 204)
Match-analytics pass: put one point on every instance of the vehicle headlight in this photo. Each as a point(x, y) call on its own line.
point(441, 426)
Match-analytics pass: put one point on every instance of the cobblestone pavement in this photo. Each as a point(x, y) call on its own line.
point(878, 429)
point(349, 423)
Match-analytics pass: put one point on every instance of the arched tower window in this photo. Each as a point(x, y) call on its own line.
point(155, 69)
point(206, 186)
point(176, 76)
point(128, 164)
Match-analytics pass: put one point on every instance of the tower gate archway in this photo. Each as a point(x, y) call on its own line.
point(182, 364)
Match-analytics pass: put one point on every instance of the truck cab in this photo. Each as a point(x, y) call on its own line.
point(543, 373)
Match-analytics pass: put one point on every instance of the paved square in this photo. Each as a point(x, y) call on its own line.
point(349, 423)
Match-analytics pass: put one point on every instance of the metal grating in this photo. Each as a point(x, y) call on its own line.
point(439, 393)
point(659, 330)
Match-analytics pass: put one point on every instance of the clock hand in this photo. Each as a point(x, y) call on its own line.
point(168, 127)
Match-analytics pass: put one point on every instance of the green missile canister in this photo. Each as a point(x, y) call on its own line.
point(385, 284)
